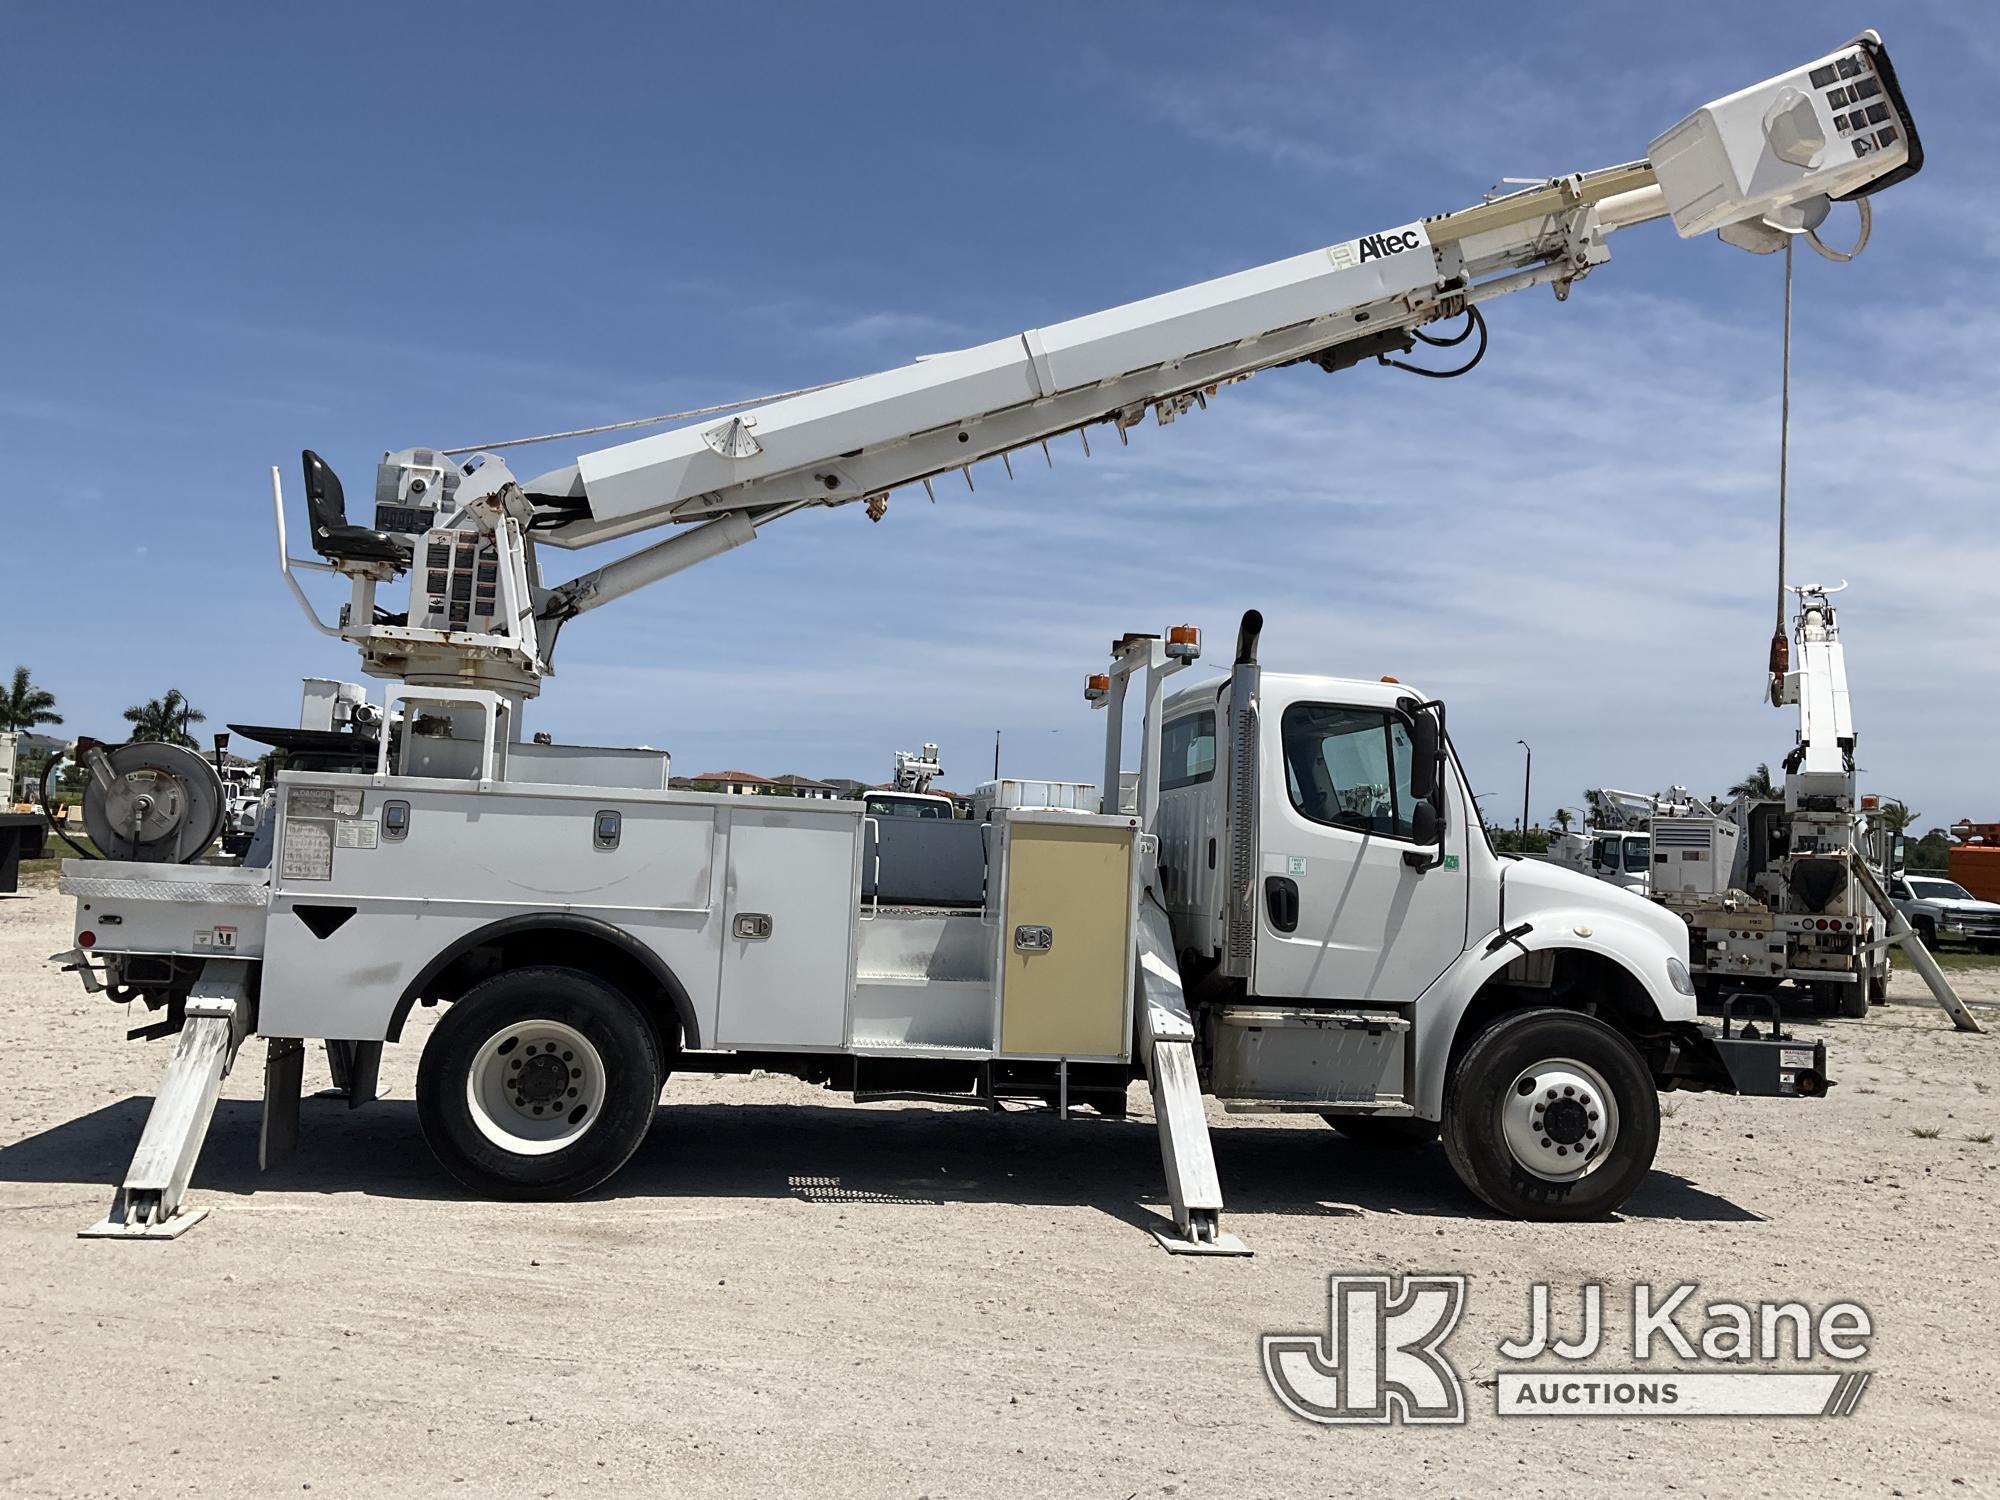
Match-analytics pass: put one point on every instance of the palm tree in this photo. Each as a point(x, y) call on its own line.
point(165, 719)
point(24, 705)
point(1756, 785)
point(1897, 816)
point(1562, 819)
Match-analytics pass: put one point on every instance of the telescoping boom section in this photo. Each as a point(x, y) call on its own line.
point(1753, 166)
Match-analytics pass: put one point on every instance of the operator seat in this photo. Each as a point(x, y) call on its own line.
point(333, 536)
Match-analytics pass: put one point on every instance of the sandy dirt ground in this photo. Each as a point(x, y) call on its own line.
point(790, 1293)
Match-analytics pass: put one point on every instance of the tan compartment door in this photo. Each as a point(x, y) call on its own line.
point(1067, 1000)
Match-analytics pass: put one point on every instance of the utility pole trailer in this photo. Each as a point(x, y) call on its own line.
point(1301, 914)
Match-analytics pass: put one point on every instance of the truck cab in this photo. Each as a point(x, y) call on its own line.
point(1353, 945)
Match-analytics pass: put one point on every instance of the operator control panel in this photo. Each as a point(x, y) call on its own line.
point(461, 582)
point(1853, 88)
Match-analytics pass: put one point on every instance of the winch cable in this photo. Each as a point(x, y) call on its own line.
point(670, 416)
point(1784, 430)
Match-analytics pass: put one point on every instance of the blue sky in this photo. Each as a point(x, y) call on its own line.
point(232, 232)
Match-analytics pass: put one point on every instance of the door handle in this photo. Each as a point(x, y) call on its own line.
point(1281, 902)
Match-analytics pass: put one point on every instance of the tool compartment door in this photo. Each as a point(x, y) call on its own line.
point(788, 929)
point(1066, 939)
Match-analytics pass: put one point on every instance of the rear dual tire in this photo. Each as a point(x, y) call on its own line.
point(538, 1083)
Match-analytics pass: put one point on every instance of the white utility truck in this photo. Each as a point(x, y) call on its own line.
point(1301, 914)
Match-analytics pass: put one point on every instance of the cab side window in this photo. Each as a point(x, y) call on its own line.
point(1187, 751)
point(1349, 767)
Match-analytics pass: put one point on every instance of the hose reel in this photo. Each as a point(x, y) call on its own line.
point(149, 801)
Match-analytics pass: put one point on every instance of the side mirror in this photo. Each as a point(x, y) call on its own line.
point(1425, 824)
point(1424, 755)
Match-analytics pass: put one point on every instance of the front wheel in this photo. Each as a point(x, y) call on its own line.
point(538, 1083)
point(1551, 1115)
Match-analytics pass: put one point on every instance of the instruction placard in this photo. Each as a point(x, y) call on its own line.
point(307, 849)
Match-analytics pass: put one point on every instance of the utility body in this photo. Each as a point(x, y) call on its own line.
point(1298, 913)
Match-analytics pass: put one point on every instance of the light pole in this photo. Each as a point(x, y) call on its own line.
point(1527, 783)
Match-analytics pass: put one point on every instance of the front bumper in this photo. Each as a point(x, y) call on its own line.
point(1737, 1057)
point(1970, 930)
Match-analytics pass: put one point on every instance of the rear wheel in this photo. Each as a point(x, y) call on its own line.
point(1551, 1115)
point(538, 1083)
point(1386, 1132)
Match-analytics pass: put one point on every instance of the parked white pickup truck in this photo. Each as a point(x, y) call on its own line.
point(1942, 910)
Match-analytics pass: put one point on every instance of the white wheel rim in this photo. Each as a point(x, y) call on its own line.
point(1559, 1120)
point(535, 1087)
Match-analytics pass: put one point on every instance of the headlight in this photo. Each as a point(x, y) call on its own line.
point(1678, 976)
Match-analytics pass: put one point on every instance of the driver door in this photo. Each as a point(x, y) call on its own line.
point(1342, 915)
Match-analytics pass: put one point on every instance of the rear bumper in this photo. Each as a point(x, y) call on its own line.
point(1740, 1059)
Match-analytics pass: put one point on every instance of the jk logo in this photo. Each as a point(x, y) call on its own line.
point(1379, 1359)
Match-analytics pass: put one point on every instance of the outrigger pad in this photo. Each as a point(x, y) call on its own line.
point(1175, 1243)
point(111, 1227)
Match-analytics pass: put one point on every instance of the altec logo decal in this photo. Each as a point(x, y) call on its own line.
point(1377, 246)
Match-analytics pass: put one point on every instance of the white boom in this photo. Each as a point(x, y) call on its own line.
point(1821, 765)
point(1757, 164)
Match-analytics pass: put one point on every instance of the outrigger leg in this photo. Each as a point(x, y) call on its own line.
point(1166, 1032)
point(148, 1205)
point(1903, 935)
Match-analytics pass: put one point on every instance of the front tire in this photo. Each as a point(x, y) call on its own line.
point(538, 1083)
point(1551, 1116)
point(1926, 932)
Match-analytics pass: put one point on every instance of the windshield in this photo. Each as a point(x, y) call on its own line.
point(1638, 855)
point(1940, 890)
point(897, 807)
